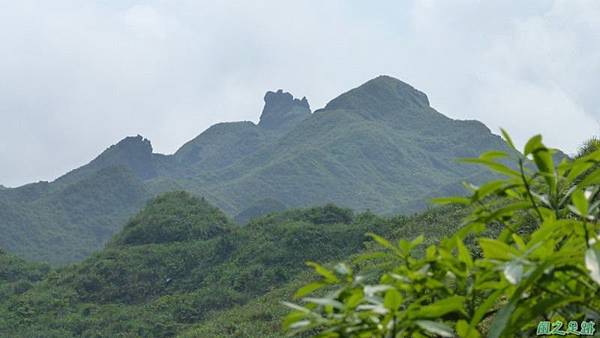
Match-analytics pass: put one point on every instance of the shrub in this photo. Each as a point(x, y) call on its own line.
point(543, 266)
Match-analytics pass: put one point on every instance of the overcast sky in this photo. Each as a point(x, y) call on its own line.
point(78, 76)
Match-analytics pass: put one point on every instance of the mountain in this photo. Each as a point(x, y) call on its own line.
point(378, 147)
point(181, 265)
point(375, 147)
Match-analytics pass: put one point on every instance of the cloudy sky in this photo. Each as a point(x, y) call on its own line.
point(77, 76)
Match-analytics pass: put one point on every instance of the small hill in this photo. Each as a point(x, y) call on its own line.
point(174, 217)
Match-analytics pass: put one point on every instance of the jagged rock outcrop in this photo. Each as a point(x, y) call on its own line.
point(133, 153)
point(282, 111)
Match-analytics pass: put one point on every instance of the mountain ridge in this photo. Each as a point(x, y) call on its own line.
point(379, 146)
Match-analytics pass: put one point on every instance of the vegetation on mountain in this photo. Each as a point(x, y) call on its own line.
point(517, 250)
point(181, 267)
point(259, 208)
point(59, 223)
point(378, 147)
point(14, 269)
point(178, 262)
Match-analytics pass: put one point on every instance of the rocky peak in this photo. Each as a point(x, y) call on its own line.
point(282, 110)
point(137, 144)
point(134, 152)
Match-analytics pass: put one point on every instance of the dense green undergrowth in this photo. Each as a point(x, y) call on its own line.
point(182, 267)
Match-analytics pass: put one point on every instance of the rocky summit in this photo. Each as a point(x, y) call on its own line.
point(283, 111)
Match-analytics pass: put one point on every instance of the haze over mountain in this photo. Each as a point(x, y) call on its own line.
point(379, 147)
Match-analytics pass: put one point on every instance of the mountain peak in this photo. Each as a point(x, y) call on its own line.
point(380, 94)
point(282, 110)
point(134, 152)
point(135, 143)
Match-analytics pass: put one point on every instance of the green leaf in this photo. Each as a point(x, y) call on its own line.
point(591, 179)
point(307, 289)
point(543, 160)
point(451, 200)
point(355, 298)
point(464, 255)
point(509, 210)
point(442, 307)
point(471, 228)
point(325, 301)
point(436, 328)
point(495, 166)
point(577, 168)
point(487, 189)
point(519, 241)
point(533, 144)
point(392, 300)
point(493, 154)
point(293, 318)
point(483, 309)
point(465, 331)
point(580, 202)
point(592, 263)
point(329, 276)
point(494, 249)
point(384, 242)
point(507, 138)
point(501, 320)
point(417, 241)
point(296, 307)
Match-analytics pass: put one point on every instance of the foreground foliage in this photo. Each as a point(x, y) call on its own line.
point(543, 265)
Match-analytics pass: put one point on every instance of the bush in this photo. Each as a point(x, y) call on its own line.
point(543, 266)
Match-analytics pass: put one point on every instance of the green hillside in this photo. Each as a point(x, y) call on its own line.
point(378, 147)
point(181, 267)
point(61, 223)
